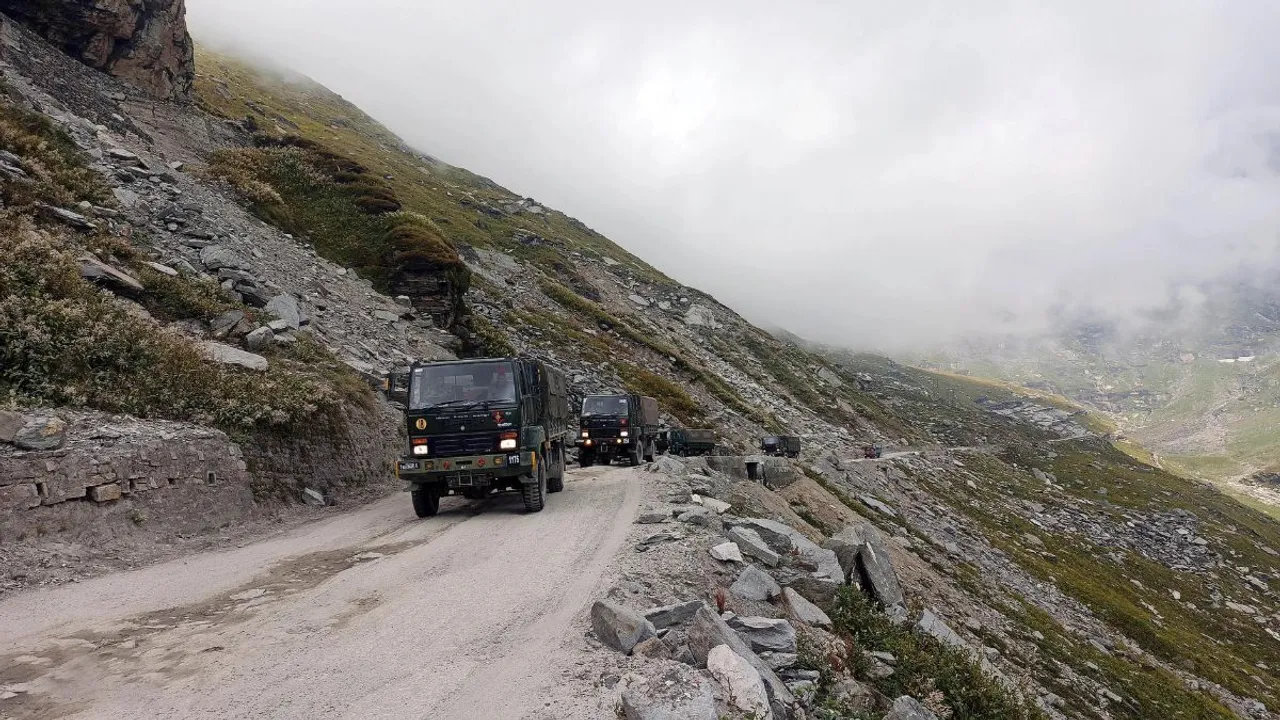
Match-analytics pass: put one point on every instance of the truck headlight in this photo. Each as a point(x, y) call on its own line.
point(586, 433)
point(507, 445)
point(421, 450)
point(623, 433)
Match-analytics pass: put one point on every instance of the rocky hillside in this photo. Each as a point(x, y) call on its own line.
point(245, 263)
point(1200, 392)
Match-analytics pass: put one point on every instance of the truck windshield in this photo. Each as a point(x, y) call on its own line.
point(605, 405)
point(462, 385)
point(770, 441)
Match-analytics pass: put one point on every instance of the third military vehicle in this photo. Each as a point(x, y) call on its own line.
point(780, 445)
point(483, 426)
point(617, 426)
point(688, 441)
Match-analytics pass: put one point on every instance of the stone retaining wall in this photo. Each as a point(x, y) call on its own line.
point(777, 472)
point(185, 472)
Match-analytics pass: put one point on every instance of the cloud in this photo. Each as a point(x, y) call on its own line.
point(868, 173)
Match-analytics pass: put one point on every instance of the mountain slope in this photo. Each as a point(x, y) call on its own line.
point(546, 286)
point(1080, 582)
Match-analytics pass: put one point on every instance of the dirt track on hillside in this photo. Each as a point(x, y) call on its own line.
point(373, 614)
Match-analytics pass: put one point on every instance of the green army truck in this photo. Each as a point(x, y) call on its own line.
point(780, 446)
point(478, 427)
point(617, 426)
point(689, 441)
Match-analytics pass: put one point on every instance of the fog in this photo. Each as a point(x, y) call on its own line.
point(866, 173)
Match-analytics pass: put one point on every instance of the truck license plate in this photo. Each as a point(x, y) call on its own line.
point(409, 465)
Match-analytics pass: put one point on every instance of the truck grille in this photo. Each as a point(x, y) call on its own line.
point(454, 445)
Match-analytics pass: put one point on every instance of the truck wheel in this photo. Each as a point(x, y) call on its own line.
point(585, 459)
point(555, 483)
point(634, 456)
point(533, 494)
point(426, 501)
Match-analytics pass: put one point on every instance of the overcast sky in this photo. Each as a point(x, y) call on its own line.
point(863, 172)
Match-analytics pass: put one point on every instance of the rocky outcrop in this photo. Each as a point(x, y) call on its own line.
point(143, 42)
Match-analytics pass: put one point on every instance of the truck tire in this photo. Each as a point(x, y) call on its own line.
point(534, 499)
point(585, 459)
point(555, 482)
point(634, 456)
point(426, 502)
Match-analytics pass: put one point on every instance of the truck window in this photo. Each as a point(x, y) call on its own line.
point(462, 384)
point(604, 406)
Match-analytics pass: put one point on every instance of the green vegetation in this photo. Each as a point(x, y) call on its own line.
point(464, 207)
point(56, 172)
point(671, 397)
point(353, 217)
point(924, 667)
point(65, 343)
point(1130, 592)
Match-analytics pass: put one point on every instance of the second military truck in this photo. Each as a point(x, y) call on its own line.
point(482, 426)
point(617, 426)
point(780, 446)
point(690, 441)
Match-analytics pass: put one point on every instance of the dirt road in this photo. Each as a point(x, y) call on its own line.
point(374, 614)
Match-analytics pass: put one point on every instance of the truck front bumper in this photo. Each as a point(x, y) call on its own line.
point(465, 472)
point(593, 443)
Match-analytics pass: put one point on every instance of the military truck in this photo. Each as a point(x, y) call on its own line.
point(478, 427)
point(780, 446)
point(617, 426)
point(688, 441)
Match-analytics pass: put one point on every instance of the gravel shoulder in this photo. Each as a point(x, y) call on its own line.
point(372, 614)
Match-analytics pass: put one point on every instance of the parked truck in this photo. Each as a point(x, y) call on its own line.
point(478, 427)
point(780, 445)
point(689, 441)
point(617, 426)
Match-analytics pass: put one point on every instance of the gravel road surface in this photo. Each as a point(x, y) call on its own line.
point(371, 614)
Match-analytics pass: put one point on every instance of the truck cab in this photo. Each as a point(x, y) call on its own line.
point(617, 426)
point(478, 427)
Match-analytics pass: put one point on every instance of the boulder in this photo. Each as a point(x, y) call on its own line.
point(804, 611)
point(765, 634)
point(260, 339)
point(718, 507)
point(726, 552)
point(619, 627)
point(931, 624)
point(651, 517)
point(653, 647)
point(876, 574)
point(755, 584)
point(216, 257)
point(742, 685)
point(10, 424)
point(708, 630)
point(669, 615)
point(751, 544)
point(162, 269)
point(100, 273)
point(286, 308)
point(227, 355)
point(908, 708)
point(33, 431)
point(67, 217)
point(792, 545)
point(688, 696)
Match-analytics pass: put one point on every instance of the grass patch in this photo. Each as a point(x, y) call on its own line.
point(54, 165)
point(925, 667)
point(670, 396)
